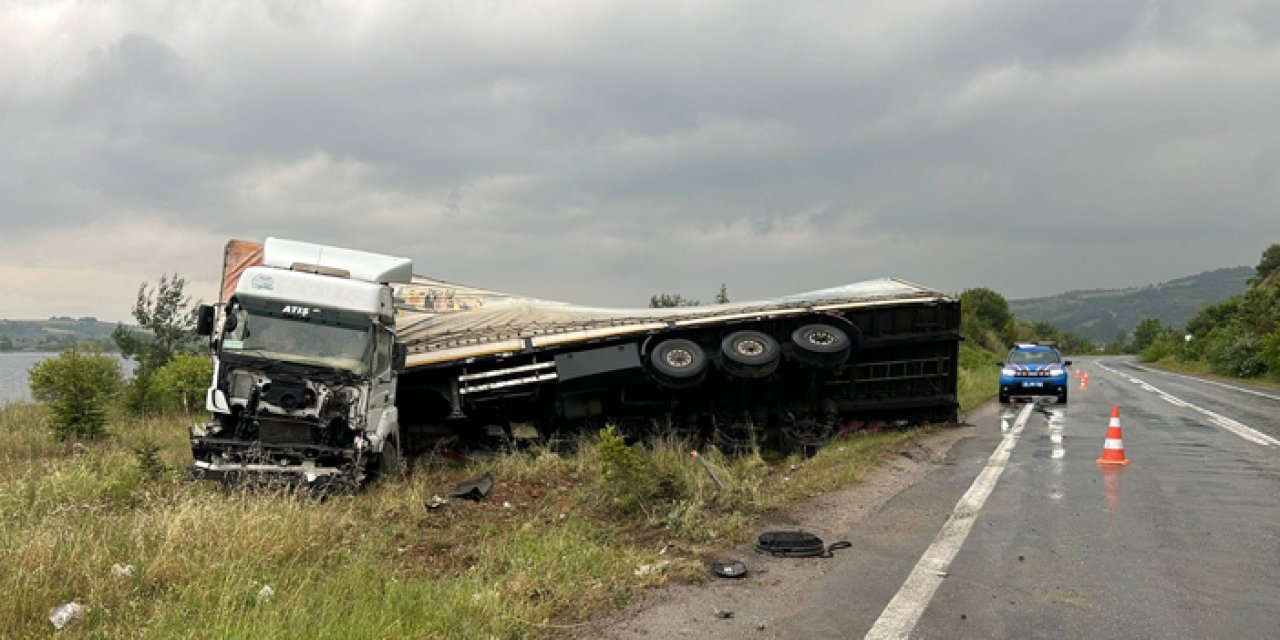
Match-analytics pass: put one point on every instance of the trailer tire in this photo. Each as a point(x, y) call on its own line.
point(821, 345)
point(678, 360)
point(749, 354)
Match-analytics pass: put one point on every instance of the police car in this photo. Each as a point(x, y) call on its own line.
point(1033, 369)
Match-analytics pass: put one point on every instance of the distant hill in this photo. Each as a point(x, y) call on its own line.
point(54, 334)
point(1100, 314)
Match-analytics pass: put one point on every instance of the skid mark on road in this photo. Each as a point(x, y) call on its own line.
point(1234, 426)
point(904, 611)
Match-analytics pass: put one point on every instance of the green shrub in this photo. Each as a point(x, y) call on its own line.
point(1271, 351)
point(140, 397)
point(628, 481)
point(147, 454)
point(1167, 344)
point(181, 384)
point(1240, 354)
point(79, 389)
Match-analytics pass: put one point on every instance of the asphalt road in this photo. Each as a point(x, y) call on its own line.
point(1184, 542)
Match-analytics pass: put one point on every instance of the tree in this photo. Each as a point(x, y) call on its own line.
point(79, 388)
point(723, 296)
point(662, 300)
point(984, 311)
point(1119, 344)
point(167, 313)
point(1269, 263)
point(1146, 333)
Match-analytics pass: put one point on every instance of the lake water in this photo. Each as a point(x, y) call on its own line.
point(13, 374)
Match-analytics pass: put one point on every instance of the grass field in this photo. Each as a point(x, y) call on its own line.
point(372, 565)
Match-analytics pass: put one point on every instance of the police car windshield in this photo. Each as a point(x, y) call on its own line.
point(300, 341)
point(1033, 357)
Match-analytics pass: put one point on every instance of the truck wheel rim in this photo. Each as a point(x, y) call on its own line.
point(821, 337)
point(749, 347)
point(678, 358)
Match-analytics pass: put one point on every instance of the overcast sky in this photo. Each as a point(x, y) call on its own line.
point(599, 152)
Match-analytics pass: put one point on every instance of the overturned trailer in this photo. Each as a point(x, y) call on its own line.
point(800, 366)
point(469, 363)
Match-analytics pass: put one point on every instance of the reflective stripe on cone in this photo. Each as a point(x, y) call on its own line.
point(1113, 448)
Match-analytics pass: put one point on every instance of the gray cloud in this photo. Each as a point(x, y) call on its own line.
point(600, 152)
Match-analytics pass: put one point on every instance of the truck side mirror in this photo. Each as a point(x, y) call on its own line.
point(399, 353)
point(204, 320)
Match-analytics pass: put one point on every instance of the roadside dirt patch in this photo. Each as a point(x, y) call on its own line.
point(734, 608)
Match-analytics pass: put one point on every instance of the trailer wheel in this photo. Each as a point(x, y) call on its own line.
point(821, 345)
point(750, 354)
point(678, 361)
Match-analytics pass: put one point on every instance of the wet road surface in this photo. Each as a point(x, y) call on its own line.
point(1184, 542)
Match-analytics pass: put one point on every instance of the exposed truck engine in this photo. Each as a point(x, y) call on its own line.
point(473, 363)
point(305, 365)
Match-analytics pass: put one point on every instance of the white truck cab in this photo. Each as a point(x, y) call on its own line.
point(305, 366)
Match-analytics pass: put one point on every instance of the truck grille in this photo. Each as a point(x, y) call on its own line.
point(275, 431)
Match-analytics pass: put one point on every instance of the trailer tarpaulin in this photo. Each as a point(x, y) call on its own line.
point(442, 322)
point(238, 256)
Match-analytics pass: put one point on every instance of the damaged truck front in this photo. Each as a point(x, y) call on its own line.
point(305, 365)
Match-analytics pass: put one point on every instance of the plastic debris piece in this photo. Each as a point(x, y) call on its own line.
point(436, 502)
point(266, 593)
point(122, 570)
point(473, 488)
point(724, 614)
point(60, 615)
point(652, 569)
point(507, 505)
point(796, 544)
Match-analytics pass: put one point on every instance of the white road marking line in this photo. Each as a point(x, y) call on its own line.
point(1212, 382)
point(904, 611)
point(1234, 426)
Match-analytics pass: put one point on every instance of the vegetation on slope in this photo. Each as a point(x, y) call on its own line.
point(1238, 337)
point(55, 334)
point(1103, 314)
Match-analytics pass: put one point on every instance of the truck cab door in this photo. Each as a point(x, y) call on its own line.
point(383, 416)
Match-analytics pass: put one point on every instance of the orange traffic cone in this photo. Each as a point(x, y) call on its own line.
point(1084, 381)
point(1077, 374)
point(1113, 449)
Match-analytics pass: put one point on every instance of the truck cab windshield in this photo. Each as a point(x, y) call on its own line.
point(304, 341)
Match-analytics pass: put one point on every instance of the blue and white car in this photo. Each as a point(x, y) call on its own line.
point(1032, 370)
